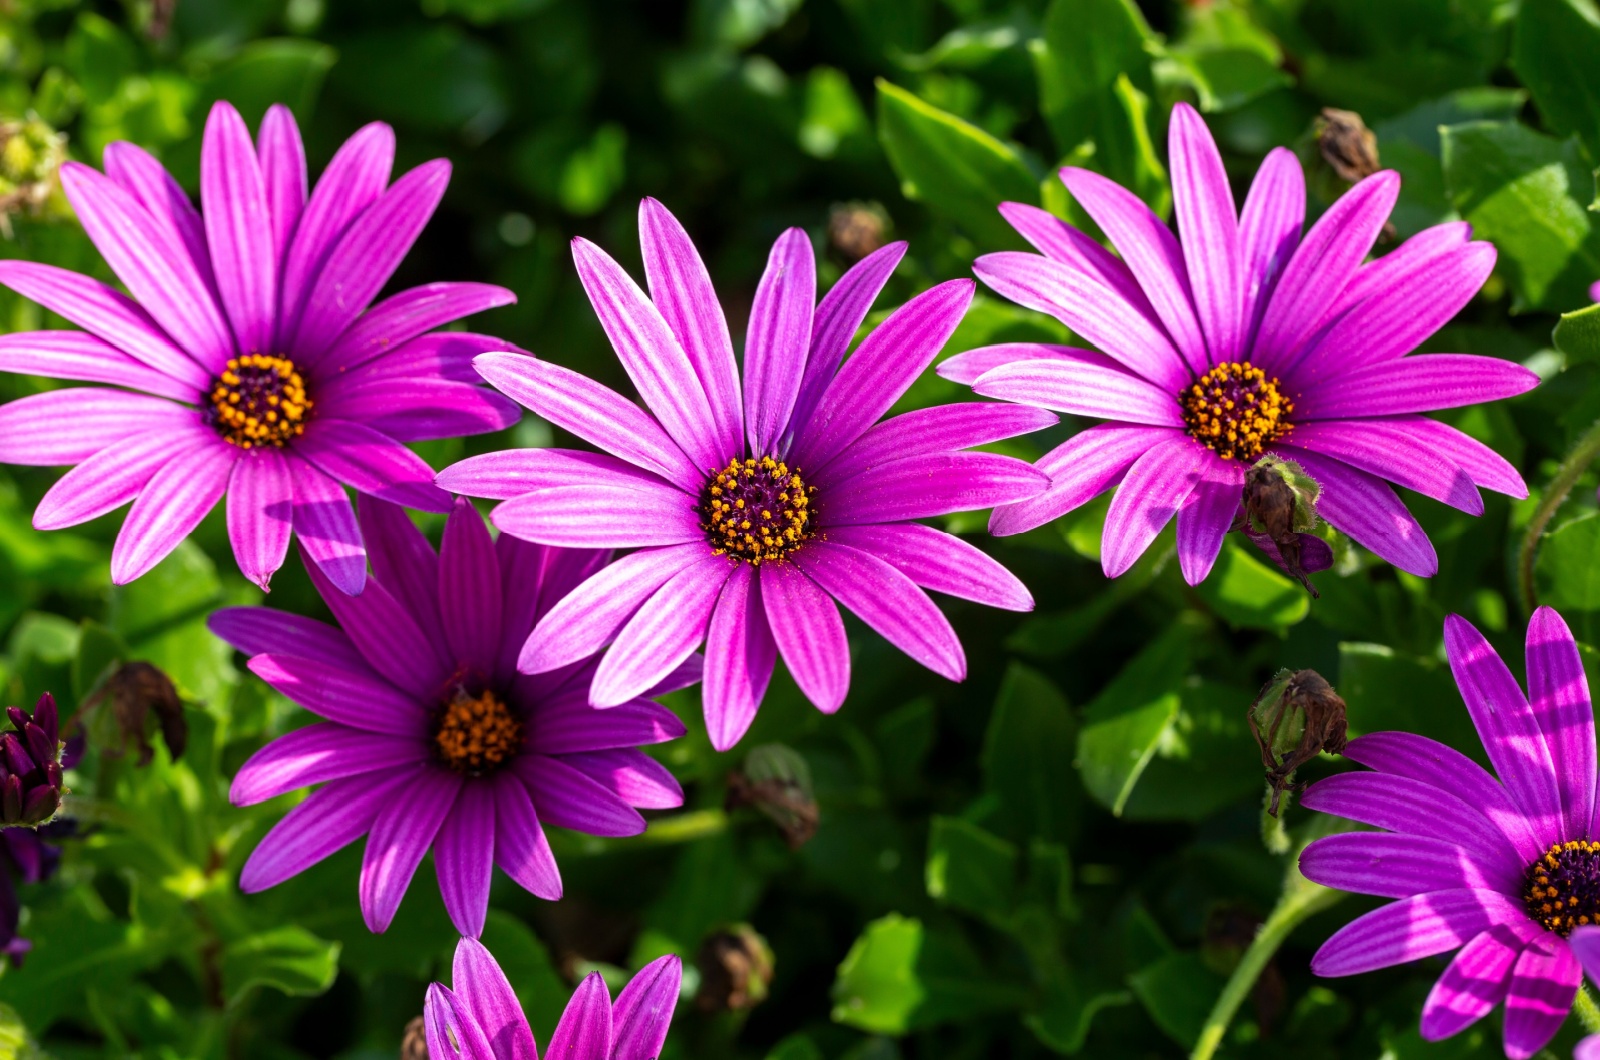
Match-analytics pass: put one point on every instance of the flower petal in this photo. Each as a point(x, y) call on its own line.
point(631, 775)
point(403, 561)
point(1203, 204)
point(486, 994)
point(463, 857)
point(80, 356)
point(921, 487)
point(1415, 384)
point(365, 460)
point(1544, 983)
point(1381, 448)
point(330, 819)
point(260, 513)
point(1398, 866)
point(643, 1011)
point(357, 698)
point(1084, 389)
point(740, 655)
point(1080, 469)
point(888, 602)
point(1206, 515)
point(449, 1031)
point(584, 1032)
point(598, 415)
point(839, 316)
point(662, 633)
point(1364, 507)
point(469, 588)
point(436, 355)
point(888, 361)
point(316, 754)
point(939, 561)
point(932, 430)
point(778, 339)
point(1152, 491)
point(239, 229)
point(681, 289)
point(965, 368)
point(104, 482)
point(1558, 693)
point(261, 630)
point(420, 410)
point(1269, 230)
point(520, 847)
point(283, 175)
point(569, 725)
point(809, 633)
point(1061, 242)
point(1487, 468)
point(567, 798)
point(148, 181)
point(1412, 928)
point(404, 830)
point(74, 423)
point(1475, 982)
point(327, 527)
point(650, 354)
point(602, 516)
point(407, 315)
point(171, 504)
point(511, 473)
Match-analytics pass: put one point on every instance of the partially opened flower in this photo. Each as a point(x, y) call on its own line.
point(247, 362)
point(752, 515)
point(1244, 339)
point(432, 738)
point(1504, 870)
point(478, 1017)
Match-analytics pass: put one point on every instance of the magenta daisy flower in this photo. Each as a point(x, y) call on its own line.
point(1244, 339)
point(432, 738)
point(247, 362)
point(481, 1018)
point(1504, 870)
point(753, 516)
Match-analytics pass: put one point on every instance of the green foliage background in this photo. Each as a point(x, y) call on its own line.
point(1059, 856)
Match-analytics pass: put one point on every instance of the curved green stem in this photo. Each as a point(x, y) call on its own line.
point(1588, 1012)
point(1555, 495)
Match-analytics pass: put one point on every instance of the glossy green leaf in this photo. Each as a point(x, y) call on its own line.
point(1246, 591)
point(1031, 735)
point(1567, 573)
point(1178, 991)
point(289, 959)
point(901, 975)
point(1553, 50)
point(970, 869)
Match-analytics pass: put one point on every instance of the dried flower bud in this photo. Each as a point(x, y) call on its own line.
point(136, 689)
point(30, 765)
point(777, 781)
point(1280, 511)
point(414, 1042)
point(1346, 144)
point(736, 968)
point(856, 229)
point(1296, 717)
point(31, 154)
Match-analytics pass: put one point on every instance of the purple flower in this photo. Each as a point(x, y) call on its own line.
point(1244, 339)
point(481, 1019)
point(26, 855)
point(247, 360)
point(1594, 291)
point(30, 765)
point(1506, 870)
point(752, 515)
point(432, 738)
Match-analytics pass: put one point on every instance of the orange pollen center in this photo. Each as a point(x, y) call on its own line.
point(757, 510)
point(477, 734)
point(1236, 411)
point(258, 400)
point(1561, 890)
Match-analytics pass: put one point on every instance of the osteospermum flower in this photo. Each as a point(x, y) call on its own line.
point(480, 1018)
point(1244, 339)
point(1505, 870)
point(432, 738)
point(247, 361)
point(752, 515)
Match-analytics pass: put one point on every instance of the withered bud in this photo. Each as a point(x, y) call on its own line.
point(736, 967)
point(1280, 511)
point(1346, 144)
point(856, 229)
point(135, 690)
point(776, 781)
point(1296, 717)
point(414, 1042)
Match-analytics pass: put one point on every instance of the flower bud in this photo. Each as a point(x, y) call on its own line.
point(1346, 144)
point(134, 691)
point(31, 153)
point(1280, 511)
point(30, 759)
point(1296, 717)
point(736, 969)
point(776, 781)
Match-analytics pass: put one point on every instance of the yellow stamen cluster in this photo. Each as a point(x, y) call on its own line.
point(1562, 888)
point(259, 400)
point(757, 510)
point(1236, 411)
point(476, 734)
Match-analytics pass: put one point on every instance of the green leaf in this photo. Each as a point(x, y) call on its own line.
point(1207, 761)
point(1031, 734)
point(1553, 50)
point(957, 169)
point(532, 974)
point(77, 944)
point(1567, 574)
point(1068, 1003)
point(1410, 145)
point(1245, 591)
point(1178, 991)
point(162, 617)
point(796, 1047)
point(1133, 714)
point(900, 976)
point(1577, 335)
point(99, 649)
point(1085, 47)
point(288, 958)
point(1526, 193)
point(970, 869)
point(1226, 78)
point(265, 72)
point(1384, 689)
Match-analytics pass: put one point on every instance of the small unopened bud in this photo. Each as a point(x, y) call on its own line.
point(135, 690)
point(776, 781)
point(31, 154)
point(736, 969)
point(414, 1042)
point(1346, 144)
point(1280, 511)
point(856, 229)
point(30, 765)
point(1296, 717)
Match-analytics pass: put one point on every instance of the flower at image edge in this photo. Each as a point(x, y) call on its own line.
point(1243, 340)
point(247, 362)
point(758, 504)
point(1505, 872)
point(432, 739)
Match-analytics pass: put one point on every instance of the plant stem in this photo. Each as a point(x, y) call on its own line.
point(1588, 1012)
point(1300, 899)
point(1274, 836)
point(1572, 468)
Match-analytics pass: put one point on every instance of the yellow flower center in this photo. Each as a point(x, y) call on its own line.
point(477, 734)
point(258, 400)
point(1562, 889)
point(1236, 411)
point(757, 510)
